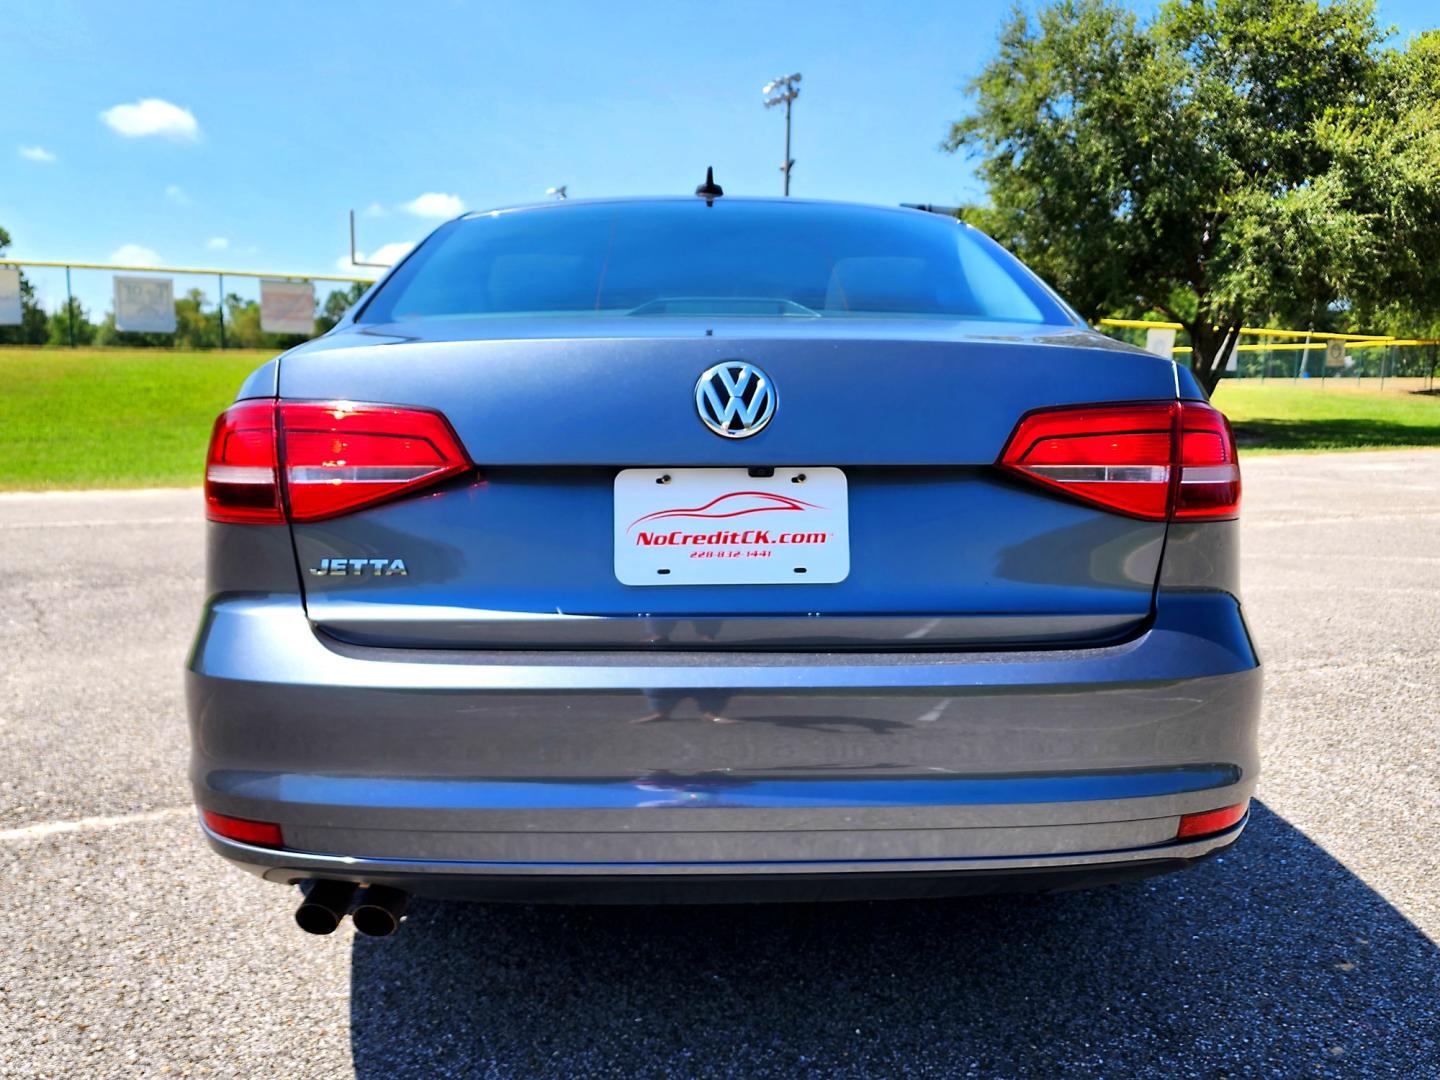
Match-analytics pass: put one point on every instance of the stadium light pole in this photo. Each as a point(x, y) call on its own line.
point(783, 90)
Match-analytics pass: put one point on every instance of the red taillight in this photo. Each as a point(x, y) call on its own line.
point(340, 456)
point(1211, 821)
point(240, 473)
point(337, 457)
point(263, 833)
point(1149, 460)
point(1116, 455)
point(1209, 469)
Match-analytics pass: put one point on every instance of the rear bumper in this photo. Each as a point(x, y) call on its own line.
point(721, 883)
point(508, 774)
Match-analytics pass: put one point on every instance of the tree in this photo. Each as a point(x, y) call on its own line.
point(106, 333)
point(1389, 149)
point(242, 327)
point(336, 304)
point(1233, 161)
point(242, 322)
point(194, 327)
point(61, 325)
point(32, 329)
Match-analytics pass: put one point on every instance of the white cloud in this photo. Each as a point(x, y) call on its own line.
point(176, 194)
point(134, 255)
point(217, 243)
point(37, 153)
point(388, 254)
point(433, 204)
point(152, 116)
point(373, 210)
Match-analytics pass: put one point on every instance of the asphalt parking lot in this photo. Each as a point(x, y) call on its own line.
point(126, 948)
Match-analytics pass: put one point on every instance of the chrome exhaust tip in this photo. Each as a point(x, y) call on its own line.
point(379, 910)
point(325, 904)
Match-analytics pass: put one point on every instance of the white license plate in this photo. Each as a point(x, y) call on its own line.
point(726, 527)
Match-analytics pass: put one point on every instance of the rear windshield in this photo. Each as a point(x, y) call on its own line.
point(787, 260)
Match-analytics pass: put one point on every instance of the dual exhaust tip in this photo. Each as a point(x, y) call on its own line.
point(376, 910)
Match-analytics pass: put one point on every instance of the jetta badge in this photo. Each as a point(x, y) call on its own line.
point(735, 399)
point(382, 567)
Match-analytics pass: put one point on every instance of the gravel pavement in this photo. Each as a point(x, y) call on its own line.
point(127, 949)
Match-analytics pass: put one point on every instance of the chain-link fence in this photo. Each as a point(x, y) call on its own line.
point(1354, 360)
point(74, 304)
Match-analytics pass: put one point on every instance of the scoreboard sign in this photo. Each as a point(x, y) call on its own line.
point(287, 307)
point(10, 311)
point(145, 304)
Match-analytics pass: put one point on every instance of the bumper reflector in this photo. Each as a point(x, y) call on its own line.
point(1211, 821)
point(261, 833)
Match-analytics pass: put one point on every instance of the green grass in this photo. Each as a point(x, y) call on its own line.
point(1284, 416)
point(91, 418)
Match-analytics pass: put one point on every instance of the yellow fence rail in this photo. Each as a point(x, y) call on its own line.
point(1256, 331)
point(1399, 357)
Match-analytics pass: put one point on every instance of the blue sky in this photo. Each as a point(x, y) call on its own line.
point(245, 133)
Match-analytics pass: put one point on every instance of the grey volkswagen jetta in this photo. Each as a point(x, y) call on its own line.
point(714, 548)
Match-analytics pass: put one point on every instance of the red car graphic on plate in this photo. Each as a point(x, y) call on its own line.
point(732, 504)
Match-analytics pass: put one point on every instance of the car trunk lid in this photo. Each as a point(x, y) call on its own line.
point(944, 550)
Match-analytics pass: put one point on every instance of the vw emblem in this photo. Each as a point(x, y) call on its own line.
point(735, 399)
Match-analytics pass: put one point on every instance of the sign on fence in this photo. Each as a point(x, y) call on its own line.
point(287, 307)
point(1161, 342)
point(145, 304)
point(10, 313)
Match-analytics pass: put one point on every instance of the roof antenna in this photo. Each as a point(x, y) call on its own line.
point(709, 190)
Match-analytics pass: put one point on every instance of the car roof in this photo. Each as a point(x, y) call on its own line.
point(775, 200)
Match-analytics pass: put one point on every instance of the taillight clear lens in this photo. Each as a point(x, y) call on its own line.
point(338, 457)
point(1133, 458)
point(241, 484)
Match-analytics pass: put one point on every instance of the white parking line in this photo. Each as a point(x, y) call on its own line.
point(93, 824)
point(1288, 557)
point(1367, 519)
point(102, 523)
point(95, 494)
point(1268, 587)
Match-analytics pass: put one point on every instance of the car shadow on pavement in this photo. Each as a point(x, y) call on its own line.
point(1272, 959)
point(1333, 433)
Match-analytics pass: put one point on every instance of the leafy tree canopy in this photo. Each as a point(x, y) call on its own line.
point(33, 324)
point(1231, 161)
